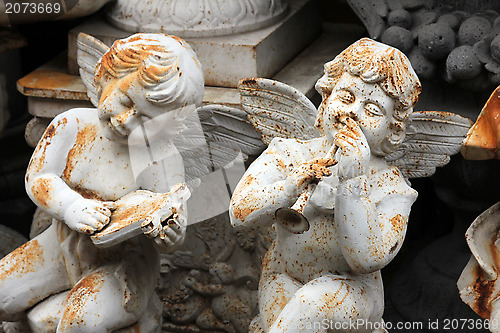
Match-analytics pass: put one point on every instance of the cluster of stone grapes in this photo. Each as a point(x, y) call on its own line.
point(456, 46)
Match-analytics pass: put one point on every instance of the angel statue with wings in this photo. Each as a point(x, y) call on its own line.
point(334, 182)
point(66, 279)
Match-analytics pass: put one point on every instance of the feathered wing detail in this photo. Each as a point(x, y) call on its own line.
point(230, 128)
point(278, 110)
point(432, 137)
point(90, 51)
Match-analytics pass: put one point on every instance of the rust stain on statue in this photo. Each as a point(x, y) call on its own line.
point(398, 223)
point(26, 258)
point(483, 139)
point(84, 138)
point(38, 160)
point(483, 288)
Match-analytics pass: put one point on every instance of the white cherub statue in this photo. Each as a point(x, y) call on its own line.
point(334, 180)
point(79, 170)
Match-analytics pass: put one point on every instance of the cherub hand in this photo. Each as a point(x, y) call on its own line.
point(88, 216)
point(167, 227)
point(353, 150)
point(307, 173)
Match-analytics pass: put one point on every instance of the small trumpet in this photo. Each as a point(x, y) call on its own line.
point(292, 218)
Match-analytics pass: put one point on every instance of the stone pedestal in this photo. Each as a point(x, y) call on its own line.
point(227, 59)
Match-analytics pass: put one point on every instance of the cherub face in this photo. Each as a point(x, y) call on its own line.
point(123, 107)
point(365, 103)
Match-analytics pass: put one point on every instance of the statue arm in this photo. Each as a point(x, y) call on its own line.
point(43, 181)
point(374, 221)
point(261, 190)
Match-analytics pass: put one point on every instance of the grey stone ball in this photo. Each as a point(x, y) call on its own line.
point(473, 30)
point(495, 48)
point(424, 67)
point(450, 20)
point(436, 40)
point(400, 17)
point(462, 63)
point(398, 37)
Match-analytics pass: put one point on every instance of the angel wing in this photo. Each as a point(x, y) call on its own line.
point(278, 110)
point(214, 136)
point(90, 51)
point(215, 144)
point(432, 137)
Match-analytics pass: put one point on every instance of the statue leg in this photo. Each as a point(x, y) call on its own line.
point(275, 291)
point(30, 274)
point(113, 296)
point(45, 316)
point(331, 303)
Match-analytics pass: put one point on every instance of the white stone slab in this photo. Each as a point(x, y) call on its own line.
point(227, 59)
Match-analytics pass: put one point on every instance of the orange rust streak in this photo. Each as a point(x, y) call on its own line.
point(85, 137)
point(485, 134)
point(398, 223)
point(37, 162)
point(48, 79)
point(42, 191)
point(26, 258)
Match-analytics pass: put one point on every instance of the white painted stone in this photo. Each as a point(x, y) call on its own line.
point(195, 18)
point(331, 185)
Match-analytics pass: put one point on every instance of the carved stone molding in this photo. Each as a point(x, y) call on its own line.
point(196, 18)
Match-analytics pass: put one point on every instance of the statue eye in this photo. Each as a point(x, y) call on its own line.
point(373, 110)
point(346, 96)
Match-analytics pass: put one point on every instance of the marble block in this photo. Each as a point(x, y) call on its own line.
point(51, 90)
point(227, 59)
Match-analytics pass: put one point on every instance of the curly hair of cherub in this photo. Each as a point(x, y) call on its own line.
point(167, 68)
point(375, 63)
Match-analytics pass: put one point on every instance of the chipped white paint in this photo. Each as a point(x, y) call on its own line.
point(196, 18)
point(359, 209)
